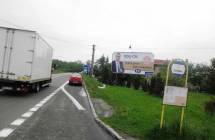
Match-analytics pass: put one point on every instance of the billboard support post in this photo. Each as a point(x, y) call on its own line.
point(182, 110)
point(163, 106)
point(183, 107)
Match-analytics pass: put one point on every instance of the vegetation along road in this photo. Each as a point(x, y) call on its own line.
point(137, 113)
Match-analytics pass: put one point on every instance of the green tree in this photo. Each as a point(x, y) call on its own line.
point(211, 77)
point(63, 66)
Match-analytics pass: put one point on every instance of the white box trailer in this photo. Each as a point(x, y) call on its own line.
point(25, 60)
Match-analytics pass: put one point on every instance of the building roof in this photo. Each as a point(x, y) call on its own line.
point(160, 62)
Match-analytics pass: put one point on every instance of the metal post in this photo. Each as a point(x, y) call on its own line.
point(162, 116)
point(182, 119)
point(163, 106)
point(92, 62)
point(182, 110)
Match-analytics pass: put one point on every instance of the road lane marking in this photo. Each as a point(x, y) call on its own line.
point(5, 132)
point(18, 122)
point(27, 114)
point(43, 102)
point(39, 105)
point(34, 109)
point(76, 103)
point(83, 93)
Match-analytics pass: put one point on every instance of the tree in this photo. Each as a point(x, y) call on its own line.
point(211, 77)
point(102, 70)
point(64, 66)
point(198, 76)
point(157, 85)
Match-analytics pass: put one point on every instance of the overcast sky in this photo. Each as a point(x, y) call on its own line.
point(167, 28)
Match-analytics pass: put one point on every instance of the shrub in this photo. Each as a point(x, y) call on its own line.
point(172, 133)
point(136, 81)
point(144, 84)
point(210, 107)
point(157, 85)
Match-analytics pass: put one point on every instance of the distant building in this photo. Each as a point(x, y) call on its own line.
point(158, 64)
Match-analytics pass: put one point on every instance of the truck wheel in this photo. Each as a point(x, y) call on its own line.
point(37, 88)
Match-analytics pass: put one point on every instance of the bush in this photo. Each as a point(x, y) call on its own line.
point(136, 81)
point(210, 107)
point(157, 85)
point(144, 84)
point(172, 133)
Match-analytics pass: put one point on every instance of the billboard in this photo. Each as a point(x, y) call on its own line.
point(175, 96)
point(132, 62)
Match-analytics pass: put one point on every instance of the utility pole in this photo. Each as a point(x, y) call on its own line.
point(92, 62)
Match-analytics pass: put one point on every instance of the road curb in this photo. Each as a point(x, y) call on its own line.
point(106, 127)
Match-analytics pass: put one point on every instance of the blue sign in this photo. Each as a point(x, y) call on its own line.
point(148, 74)
point(87, 68)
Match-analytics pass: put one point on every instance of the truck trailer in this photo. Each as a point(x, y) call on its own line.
point(25, 60)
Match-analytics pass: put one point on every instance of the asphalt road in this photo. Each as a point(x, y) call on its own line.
point(66, 115)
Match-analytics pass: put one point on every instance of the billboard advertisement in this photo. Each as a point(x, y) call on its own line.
point(132, 62)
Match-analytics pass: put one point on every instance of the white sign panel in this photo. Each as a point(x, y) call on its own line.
point(178, 69)
point(175, 96)
point(132, 62)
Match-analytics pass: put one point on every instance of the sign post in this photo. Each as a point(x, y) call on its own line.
point(176, 96)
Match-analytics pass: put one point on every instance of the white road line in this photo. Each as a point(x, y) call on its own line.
point(46, 99)
point(39, 105)
point(18, 122)
point(5, 132)
point(43, 102)
point(27, 114)
point(34, 109)
point(54, 93)
point(64, 84)
point(76, 103)
point(82, 93)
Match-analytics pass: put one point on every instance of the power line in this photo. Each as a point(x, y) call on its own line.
point(69, 42)
point(48, 36)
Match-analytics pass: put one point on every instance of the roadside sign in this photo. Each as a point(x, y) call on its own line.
point(148, 74)
point(175, 96)
point(132, 62)
point(178, 69)
point(87, 68)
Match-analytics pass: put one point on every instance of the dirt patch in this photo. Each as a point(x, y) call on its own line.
point(102, 108)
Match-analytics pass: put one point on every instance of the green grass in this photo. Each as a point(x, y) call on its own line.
point(137, 113)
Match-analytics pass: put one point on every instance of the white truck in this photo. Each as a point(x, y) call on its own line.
point(25, 60)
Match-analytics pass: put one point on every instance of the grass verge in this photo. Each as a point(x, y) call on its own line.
point(137, 113)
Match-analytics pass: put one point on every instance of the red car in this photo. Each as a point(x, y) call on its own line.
point(76, 78)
